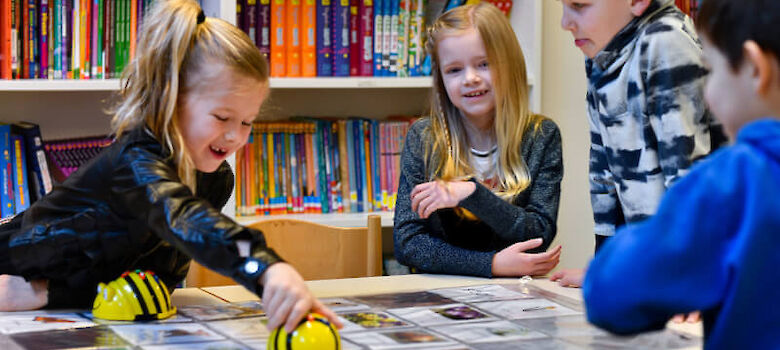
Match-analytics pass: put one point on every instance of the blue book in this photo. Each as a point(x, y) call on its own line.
point(324, 46)
point(376, 170)
point(351, 166)
point(378, 32)
point(38, 177)
point(387, 10)
point(358, 164)
point(340, 38)
point(335, 166)
point(19, 170)
point(6, 194)
point(395, 7)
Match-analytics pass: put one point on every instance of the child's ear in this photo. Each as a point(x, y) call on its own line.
point(763, 65)
point(638, 7)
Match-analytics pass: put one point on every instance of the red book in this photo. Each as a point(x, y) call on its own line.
point(5, 39)
point(354, 38)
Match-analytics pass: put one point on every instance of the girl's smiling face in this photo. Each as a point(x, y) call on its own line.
point(215, 119)
point(466, 74)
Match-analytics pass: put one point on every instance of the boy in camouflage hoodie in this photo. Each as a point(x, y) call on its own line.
point(648, 119)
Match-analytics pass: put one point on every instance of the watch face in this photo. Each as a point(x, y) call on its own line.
point(251, 266)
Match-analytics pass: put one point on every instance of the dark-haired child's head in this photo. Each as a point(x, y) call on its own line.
point(742, 47)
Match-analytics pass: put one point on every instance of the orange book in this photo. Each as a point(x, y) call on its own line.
point(133, 27)
point(293, 33)
point(278, 43)
point(309, 39)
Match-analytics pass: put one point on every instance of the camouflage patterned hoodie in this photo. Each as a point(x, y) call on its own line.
point(648, 119)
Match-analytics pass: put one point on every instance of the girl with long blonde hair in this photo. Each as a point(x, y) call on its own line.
point(480, 178)
point(152, 199)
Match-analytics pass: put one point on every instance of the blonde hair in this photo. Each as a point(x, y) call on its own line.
point(174, 55)
point(448, 156)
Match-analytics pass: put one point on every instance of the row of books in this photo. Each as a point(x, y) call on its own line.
point(23, 168)
point(68, 39)
point(337, 38)
point(320, 166)
point(343, 37)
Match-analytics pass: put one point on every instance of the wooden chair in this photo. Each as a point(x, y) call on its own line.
point(317, 251)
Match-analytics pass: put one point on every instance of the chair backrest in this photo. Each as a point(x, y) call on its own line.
point(317, 251)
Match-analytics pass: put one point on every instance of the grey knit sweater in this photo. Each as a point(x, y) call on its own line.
point(446, 243)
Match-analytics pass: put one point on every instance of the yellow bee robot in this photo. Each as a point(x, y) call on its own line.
point(134, 296)
point(314, 332)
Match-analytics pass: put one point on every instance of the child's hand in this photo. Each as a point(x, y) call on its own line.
point(431, 196)
point(569, 277)
point(16, 294)
point(513, 261)
point(692, 317)
point(287, 300)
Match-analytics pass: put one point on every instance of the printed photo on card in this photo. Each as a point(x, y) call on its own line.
point(100, 337)
point(483, 332)
point(526, 308)
point(474, 294)
point(176, 318)
point(215, 345)
point(341, 305)
point(398, 300)
point(223, 311)
point(169, 333)
point(449, 313)
point(241, 328)
point(408, 338)
point(359, 321)
point(563, 326)
point(39, 321)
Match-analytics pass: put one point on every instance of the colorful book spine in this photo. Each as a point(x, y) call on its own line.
point(308, 38)
point(404, 14)
point(323, 41)
point(6, 173)
point(416, 25)
point(19, 169)
point(351, 166)
point(354, 42)
point(378, 32)
point(39, 179)
point(393, 61)
point(366, 33)
point(340, 38)
point(278, 42)
point(293, 33)
point(387, 13)
point(5, 39)
point(249, 21)
point(264, 28)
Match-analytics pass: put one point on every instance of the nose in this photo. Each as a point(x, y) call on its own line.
point(471, 76)
point(566, 20)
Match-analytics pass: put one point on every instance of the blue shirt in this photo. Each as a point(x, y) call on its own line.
point(712, 246)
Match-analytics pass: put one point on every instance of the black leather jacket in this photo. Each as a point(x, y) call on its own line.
point(126, 209)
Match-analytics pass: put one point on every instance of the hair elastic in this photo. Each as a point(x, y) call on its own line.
point(201, 17)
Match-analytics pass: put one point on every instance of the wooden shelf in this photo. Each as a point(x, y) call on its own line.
point(276, 83)
point(337, 219)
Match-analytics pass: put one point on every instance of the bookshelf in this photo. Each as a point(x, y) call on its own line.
point(74, 108)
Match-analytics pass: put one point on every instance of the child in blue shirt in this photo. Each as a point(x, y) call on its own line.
point(712, 244)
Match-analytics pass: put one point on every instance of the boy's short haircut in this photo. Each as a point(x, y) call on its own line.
point(729, 23)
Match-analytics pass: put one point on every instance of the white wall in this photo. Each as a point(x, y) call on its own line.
point(563, 100)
